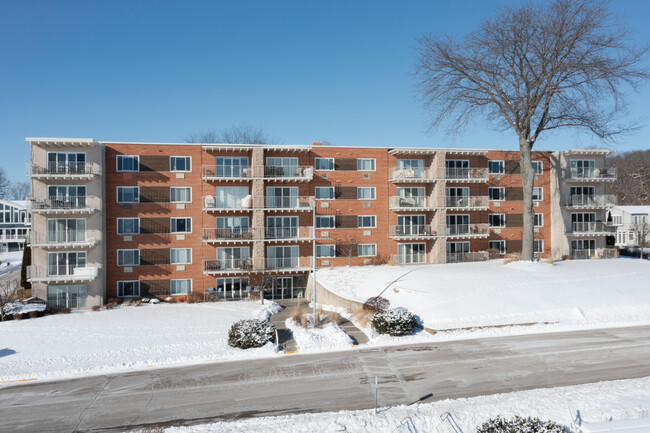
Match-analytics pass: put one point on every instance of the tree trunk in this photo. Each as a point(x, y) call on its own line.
point(527, 182)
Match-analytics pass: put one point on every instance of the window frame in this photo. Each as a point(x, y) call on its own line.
point(135, 258)
point(329, 217)
point(502, 193)
point(541, 193)
point(118, 162)
point(541, 167)
point(172, 221)
point(540, 217)
point(359, 250)
point(171, 256)
point(359, 220)
point(171, 194)
point(330, 247)
point(374, 164)
point(127, 218)
point(501, 165)
point(120, 290)
point(319, 159)
point(503, 220)
point(171, 287)
point(171, 163)
point(502, 250)
point(331, 188)
point(538, 242)
point(136, 196)
point(372, 188)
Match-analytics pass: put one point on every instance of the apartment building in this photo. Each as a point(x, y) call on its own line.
point(236, 221)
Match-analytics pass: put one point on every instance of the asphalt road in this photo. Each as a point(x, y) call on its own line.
point(324, 382)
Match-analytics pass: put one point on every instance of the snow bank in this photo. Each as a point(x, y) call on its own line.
point(579, 293)
point(597, 402)
point(326, 338)
point(124, 339)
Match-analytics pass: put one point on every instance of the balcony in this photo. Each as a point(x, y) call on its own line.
point(414, 203)
point(236, 204)
point(409, 258)
point(412, 232)
point(246, 266)
point(15, 237)
point(61, 239)
point(226, 173)
point(410, 175)
point(467, 203)
point(476, 256)
point(62, 205)
point(591, 229)
point(481, 230)
point(227, 235)
point(70, 170)
point(227, 266)
point(466, 174)
point(61, 273)
point(287, 173)
point(290, 263)
point(590, 201)
point(601, 253)
point(590, 174)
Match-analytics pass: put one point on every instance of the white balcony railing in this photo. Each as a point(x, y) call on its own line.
point(592, 173)
point(250, 234)
point(467, 202)
point(247, 265)
point(475, 256)
point(64, 169)
point(62, 273)
point(226, 172)
point(409, 258)
point(288, 172)
point(479, 229)
point(416, 230)
point(602, 200)
point(600, 253)
point(65, 203)
point(409, 174)
point(459, 174)
point(15, 237)
point(211, 203)
point(591, 227)
point(62, 237)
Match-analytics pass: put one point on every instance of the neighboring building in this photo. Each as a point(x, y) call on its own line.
point(163, 219)
point(630, 222)
point(15, 224)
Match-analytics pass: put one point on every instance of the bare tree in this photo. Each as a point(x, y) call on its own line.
point(237, 134)
point(632, 184)
point(347, 247)
point(641, 231)
point(562, 64)
point(8, 293)
point(19, 190)
point(5, 184)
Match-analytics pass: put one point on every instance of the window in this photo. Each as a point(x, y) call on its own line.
point(325, 251)
point(497, 220)
point(324, 164)
point(126, 289)
point(65, 263)
point(180, 287)
point(365, 164)
point(282, 197)
point(630, 236)
point(231, 225)
point(180, 163)
point(325, 222)
point(231, 166)
point(324, 192)
point(62, 230)
point(366, 193)
point(497, 193)
point(538, 245)
point(232, 258)
point(283, 257)
point(537, 167)
point(366, 221)
point(180, 194)
point(538, 193)
point(128, 194)
point(621, 237)
point(180, 256)
point(69, 296)
point(128, 163)
point(497, 245)
point(128, 257)
point(128, 226)
point(411, 253)
point(367, 250)
point(495, 167)
point(181, 225)
point(66, 162)
point(638, 219)
point(617, 220)
point(539, 220)
point(227, 197)
point(281, 227)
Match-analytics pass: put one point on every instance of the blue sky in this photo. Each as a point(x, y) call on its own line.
point(303, 70)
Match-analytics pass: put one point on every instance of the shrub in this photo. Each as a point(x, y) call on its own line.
point(245, 334)
point(376, 304)
point(518, 424)
point(170, 300)
point(296, 316)
point(361, 317)
point(33, 314)
point(194, 297)
point(54, 310)
point(95, 308)
point(109, 306)
point(395, 322)
point(18, 316)
point(66, 310)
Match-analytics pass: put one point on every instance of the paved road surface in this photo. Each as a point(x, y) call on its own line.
point(333, 381)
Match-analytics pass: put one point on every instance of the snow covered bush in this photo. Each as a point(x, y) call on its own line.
point(523, 425)
point(250, 333)
point(376, 304)
point(395, 322)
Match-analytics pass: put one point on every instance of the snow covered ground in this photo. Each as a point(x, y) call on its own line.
point(10, 261)
point(596, 402)
point(574, 294)
point(329, 337)
point(124, 339)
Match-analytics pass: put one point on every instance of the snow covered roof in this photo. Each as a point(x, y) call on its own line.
point(23, 204)
point(635, 209)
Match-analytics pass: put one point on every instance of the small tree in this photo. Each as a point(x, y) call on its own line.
point(8, 293)
point(641, 231)
point(27, 261)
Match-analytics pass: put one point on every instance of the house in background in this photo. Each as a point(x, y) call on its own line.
point(630, 222)
point(15, 224)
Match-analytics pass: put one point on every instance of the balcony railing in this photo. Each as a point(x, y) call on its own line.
point(292, 202)
point(476, 256)
point(417, 230)
point(61, 273)
point(64, 169)
point(416, 202)
point(409, 174)
point(15, 237)
point(268, 233)
point(591, 227)
point(287, 172)
point(243, 265)
point(601, 253)
point(227, 172)
point(211, 203)
point(460, 174)
point(591, 173)
point(479, 229)
point(227, 265)
point(602, 200)
point(289, 262)
point(61, 238)
point(65, 203)
point(409, 258)
point(467, 202)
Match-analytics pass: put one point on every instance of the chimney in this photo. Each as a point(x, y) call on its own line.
point(316, 143)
